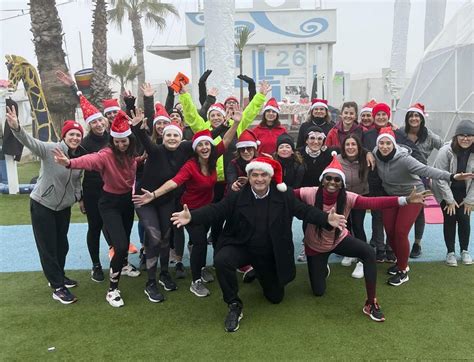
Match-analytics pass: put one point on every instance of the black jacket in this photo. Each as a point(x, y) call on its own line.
point(239, 213)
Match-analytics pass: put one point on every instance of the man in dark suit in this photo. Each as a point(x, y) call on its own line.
point(257, 232)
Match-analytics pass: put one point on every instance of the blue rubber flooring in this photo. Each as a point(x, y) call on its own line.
point(19, 250)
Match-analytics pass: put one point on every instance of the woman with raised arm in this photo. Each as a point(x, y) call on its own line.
point(163, 163)
point(56, 190)
point(117, 166)
point(199, 177)
point(400, 173)
point(320, 242)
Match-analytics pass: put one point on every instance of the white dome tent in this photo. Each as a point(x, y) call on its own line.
point(443, 80)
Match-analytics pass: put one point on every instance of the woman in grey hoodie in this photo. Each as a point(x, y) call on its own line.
point(56, 190)
point(400, 174)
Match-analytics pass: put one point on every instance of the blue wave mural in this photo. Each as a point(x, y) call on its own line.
point(310, 28)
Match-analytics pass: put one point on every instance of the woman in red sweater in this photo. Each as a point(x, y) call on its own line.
point(117, 165)
point(199, 177)
point(320, 243)
point(269, 128)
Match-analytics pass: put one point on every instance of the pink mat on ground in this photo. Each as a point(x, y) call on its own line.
point(433, 213)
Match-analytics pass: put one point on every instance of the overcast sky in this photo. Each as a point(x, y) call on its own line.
point(364, 35)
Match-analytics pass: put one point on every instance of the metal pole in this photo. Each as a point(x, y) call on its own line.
point(82, 55)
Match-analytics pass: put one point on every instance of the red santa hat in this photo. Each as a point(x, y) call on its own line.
point(231, 98)
point(173, 126)
point(387, 132)
point(270, 166)
point(110, 105)
point(120, 127)
point(204, 135)
point(69, 125)
point(89, 112)
point(334, 167)
point(368, 106)
point(316, 102)
point(161, 114)
point(219, 107)
point(381, 107)
point(417, 107)
point(247, 139)
point(272, 104)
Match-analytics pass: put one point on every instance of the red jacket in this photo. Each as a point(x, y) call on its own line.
point(268, 137)
point(336, 135)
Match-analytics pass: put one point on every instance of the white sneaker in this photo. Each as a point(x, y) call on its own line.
point(130, 271)
point(358, 272)
point(451, 259)
point(466, 257)
point(347, 261)
point(302, 256)
point(114, 298)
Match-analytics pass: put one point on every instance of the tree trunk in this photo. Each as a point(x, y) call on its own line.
point(47, 38)
point(100, 79)
point(138, 45)
point(241, 81)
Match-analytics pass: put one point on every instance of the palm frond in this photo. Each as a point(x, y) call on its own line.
point(155, 20)
point(242, 36)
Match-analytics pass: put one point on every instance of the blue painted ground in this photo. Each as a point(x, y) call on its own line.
point(19, 251)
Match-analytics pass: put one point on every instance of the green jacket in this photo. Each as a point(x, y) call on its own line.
point(197, 123)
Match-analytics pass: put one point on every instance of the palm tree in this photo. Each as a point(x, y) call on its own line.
point(47, 32)
point(100, 79)
point(154, 12)
point(242, 36)
point(124, 71)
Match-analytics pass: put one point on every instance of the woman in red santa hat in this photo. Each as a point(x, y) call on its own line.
point(199, 176)
point(401, 173)
point(365, 115)
point(117, 166)
point(269, 128)
point(320, 242)
point(55, 192)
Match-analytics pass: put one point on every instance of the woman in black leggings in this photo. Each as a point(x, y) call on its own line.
point(163, 163)
point(457, 197)
point(320, 243)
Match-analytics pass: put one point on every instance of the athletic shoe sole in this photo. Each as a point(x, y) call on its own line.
point(450, 264)
point(111, 302)
point(97, 281)
point(401, 282)
point(55, 297)
point(165, 287)
point(372, 317)
point(198, 295)
point(69, 286)
point(238, 324)
point(151, 299)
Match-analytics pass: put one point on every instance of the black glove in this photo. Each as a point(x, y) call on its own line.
point(245, 78)
point(129, 102)
point(204, 76)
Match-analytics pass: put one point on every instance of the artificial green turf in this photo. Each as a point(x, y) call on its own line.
point(428, 318)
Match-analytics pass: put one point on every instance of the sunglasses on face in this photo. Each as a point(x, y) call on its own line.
point(336, 179)
point(314, 138)
point(246, 149)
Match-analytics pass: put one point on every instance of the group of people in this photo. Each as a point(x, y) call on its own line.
point(238, 188)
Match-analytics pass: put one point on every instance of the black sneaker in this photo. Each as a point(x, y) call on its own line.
point(391, 258)
point(398, 279)
point(373, 311)
point(393, 270)
point(64, 296)
point(97, 274)
point(380, 256)
point(69, 283)
point(233, 318)
point(415, 251)
point(166, 281)
point(154, 295)
point(180, 273)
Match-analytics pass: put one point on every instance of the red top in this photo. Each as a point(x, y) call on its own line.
point(268, 138)
point(199, 188)
point(117, 180)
